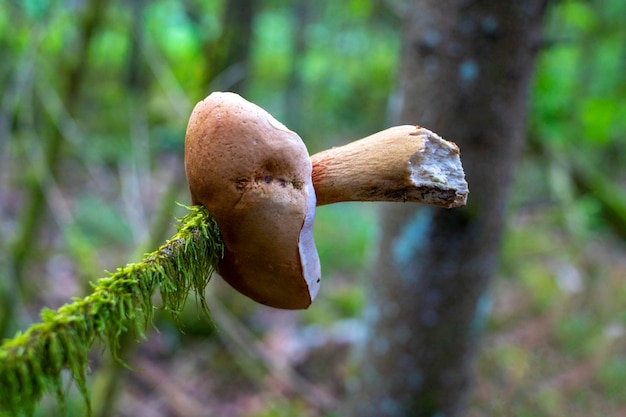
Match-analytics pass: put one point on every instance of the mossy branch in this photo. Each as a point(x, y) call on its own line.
point(32, 362)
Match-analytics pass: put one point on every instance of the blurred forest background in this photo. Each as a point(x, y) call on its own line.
point(95, 100)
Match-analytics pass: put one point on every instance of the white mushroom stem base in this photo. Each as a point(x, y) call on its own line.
point(402, 163)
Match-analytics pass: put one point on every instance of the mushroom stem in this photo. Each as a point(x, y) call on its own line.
point(402, 163)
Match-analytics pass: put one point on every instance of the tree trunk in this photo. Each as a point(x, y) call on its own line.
point(227, 59)
point(466, 67)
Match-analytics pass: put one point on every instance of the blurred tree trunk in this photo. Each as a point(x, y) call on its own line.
point(301, 10)
point(227, 58)
point(465, 72)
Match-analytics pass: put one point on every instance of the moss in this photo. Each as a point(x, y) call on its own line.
point(32, 363)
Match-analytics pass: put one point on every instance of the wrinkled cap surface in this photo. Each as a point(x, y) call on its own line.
point(254, 176)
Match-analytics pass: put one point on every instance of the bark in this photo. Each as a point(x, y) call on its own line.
point(465, 72)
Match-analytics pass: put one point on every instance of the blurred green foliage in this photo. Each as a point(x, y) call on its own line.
point(580, 87)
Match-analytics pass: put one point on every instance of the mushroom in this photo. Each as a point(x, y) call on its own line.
point(255, 177)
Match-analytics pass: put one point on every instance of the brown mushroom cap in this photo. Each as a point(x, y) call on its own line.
point(254, 176)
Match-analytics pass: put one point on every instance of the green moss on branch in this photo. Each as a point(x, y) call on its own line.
point(32, 362)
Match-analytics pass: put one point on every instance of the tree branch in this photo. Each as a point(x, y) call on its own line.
point(31, 363)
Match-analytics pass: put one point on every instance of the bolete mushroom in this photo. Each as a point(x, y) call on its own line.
point(255, 177)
